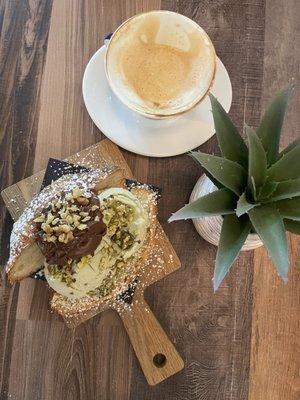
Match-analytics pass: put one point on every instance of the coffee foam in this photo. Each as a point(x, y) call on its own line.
point(160, 62)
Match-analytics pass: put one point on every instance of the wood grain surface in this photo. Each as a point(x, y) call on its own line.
point(275, 350)
point(240, 343)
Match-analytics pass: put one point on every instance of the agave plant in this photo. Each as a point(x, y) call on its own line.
point(258, 187)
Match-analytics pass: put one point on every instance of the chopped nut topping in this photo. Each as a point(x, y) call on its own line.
point(40, 218)
point(62, 237)
point(46, 228)
point(76, 218)
point(51, 239)
point(65, 228)
point(69, 219)
point(76, 193)
point(70, 236)
point(64, 218)
point(83, 201)
point(50, 218)
point(69, 196)
point(81, 227)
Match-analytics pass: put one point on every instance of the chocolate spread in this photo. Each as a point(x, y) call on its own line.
point(83, 242)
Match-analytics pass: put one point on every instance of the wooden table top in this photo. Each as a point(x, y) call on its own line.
point(240, 343)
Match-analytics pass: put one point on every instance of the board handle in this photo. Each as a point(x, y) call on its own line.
point(156, 353)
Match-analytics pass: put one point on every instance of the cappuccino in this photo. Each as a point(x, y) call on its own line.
point(160, 63)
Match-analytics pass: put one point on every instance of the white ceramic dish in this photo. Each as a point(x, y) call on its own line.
point(141, 135)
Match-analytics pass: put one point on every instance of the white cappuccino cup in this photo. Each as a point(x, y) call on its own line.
point(160, 63)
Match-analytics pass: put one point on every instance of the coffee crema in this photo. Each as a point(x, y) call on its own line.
point(160, 64)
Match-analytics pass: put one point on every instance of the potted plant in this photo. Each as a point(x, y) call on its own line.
point(257, 187)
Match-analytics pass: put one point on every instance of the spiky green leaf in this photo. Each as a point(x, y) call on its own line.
point(268, 224)
point(290, 147)
point(253, 189)
point(292, 226)
point(214, 181)
point(285, 190)
point(287, 167)
point(257, 164)
point(220, 202)
point(243, 206)
point(289, 208)
point(231, 143)
point(267, 190)
point(229, 173)
point(233, 235)
point(270, 127)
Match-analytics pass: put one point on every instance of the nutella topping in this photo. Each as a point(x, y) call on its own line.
point(70, 228)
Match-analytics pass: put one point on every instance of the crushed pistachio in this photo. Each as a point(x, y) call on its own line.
point(62, 273)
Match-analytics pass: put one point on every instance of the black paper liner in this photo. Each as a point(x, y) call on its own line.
point(57, 168)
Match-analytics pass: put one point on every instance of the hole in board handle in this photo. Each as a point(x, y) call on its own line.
point(159, 360)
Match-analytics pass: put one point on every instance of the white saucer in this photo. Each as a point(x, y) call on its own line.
point(149, 137)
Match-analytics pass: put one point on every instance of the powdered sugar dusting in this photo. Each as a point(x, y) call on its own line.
point(151, 269)
point(150, 264)
point(23, 228)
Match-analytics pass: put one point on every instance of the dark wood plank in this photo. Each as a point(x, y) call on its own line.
point(23, 39)
point(86, 369)
point(275, 352)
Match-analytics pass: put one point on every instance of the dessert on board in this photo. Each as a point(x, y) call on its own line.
point(89, 234)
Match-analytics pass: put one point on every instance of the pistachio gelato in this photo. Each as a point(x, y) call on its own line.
point(126, 224)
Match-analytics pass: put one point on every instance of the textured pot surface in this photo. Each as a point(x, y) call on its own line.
point(210, 227)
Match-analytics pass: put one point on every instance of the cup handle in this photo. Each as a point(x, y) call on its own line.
point(107, 38)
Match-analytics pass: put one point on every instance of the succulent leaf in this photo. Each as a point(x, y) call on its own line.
point(290, 147)
point(233, 235)
point(289, 208)
point(292, 226)
point(287, 167)
point(229, 173)
point(231, 143)
point(258, 187)
point(220, 202)
point(268, 224)
point(285, 190)
point(253, 190)
point(257, 164)
point(267, 190)
point(243, 206)
point(214, 181)
point(270, 127)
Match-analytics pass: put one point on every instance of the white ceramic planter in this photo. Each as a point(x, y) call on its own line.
point(210, 227)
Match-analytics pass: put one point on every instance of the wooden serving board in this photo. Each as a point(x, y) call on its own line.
point(157, 355)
